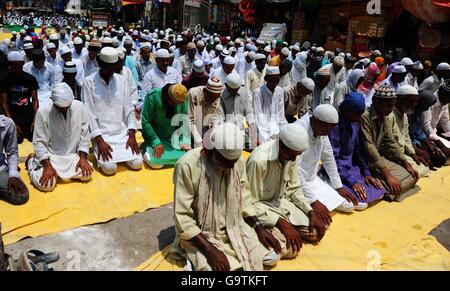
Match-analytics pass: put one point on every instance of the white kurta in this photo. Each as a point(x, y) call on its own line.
point(219, 72)
point(46, 78)
point(436, 115)
point(242, 67)
point(308, 164)
point(60, 140)
point(80, 70)
point(268, 108)
point(325, 96)
point(285, 81)
point(254, 80)
point(389, 82)
point(335, 78)
point(155, 78)
point(111, 114)
point(203, 56)
point(80, 56)
point(431, 83)
point(298, 73)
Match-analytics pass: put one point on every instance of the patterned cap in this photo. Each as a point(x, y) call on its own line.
point(385, 92)
point(214, 85)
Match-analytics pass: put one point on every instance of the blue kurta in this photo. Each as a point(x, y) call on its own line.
point(350, 161)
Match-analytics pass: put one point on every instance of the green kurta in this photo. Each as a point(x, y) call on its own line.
point(158, 128)
point(275, 187)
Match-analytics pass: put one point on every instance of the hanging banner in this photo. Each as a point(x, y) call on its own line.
point(131, 2)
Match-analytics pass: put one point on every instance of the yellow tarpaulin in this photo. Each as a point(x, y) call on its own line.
point(387, 236)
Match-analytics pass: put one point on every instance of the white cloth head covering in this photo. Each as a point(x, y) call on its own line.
point(62, 95)
point(324, 71)
point(28, 46)
point(53, 36)
point(228, 140)
point(64, 50)
point(69, 67)
point(406, 62)
point(121, 52)
point(399, 69)
point(443, 67)
point(225, 53)
point(233, 80)
point(295, 137)
point(326, 113)
point(285, 51)
point(145, 45)
point(109, 55)
point(162, 54)
point(272, 70)
point(308, 84)
point(198, 66)
point(267, 49)
point(339, 61)
point(376, 53)
point(107, 40)
point(296, 47)
point(260, 57)
point(77, 40)
point(128, 40)
point(219, 47)
point(15, 56)
point(200, 43)
point(28, 38)
point(252, 55)
point(418, 66)
point(407, 90)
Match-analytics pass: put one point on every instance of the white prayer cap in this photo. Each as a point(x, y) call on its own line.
point(28, 38)
point(68, 27)
point(250, 47)
point(406, 62)
point(15, 56)
point(228, 140)
point(107, 40)
point(342, 55)
point(252, 55)
point(14, 33)
point(106, 34)
point(324, 71)
point(272, 70)
point(135, 33)
point(79, 27)
point(100, 28)
point(233, 49)
point(162, 54)
point(225, 53)
point(295, 137)
point(365, 61)
point(418, 66)
point(87, 37)
point(443, 67)
point(22, 31)
point(231, 43)
point(260, 57)
point(326, 113)
point(145, 45)
point(146, 31)
point(70, 67)
point(115, 42)
point(320, 50)
point(77, 40)
point(28, 46)
point(53, 36)
point(238, 41)
point(308, 84)
point(25, 27)
point(296, 47)
point(267, 49)
point(64, 50)
point(339, 61)
point(216, 39)
point(121, 52)
point(109, 55)
point(128, 40)
point(260, 42)
point(229, 61)
point(407, 90)
point(7, 41)
point(399, 69)
point(198, 66)
point(200, 43)
point(62, 95)
point(219, 47)
point(285, 51)
point(120, 32)
point(233, 80)
point(50, 46)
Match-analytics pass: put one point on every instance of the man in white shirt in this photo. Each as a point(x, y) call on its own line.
point(433, 82)
point(227, 68)
point(337, 72)
point(202, 54)
point(89, 61)
point(268, 106)
point(79, 50)
point(438, 115)
point(322, 94)
point(397, 78)
point(323, 197)
point(161, 74)
point(66, 56)
point(188, 59)
point(245, 64)
point(111, 115)
point(255, 77)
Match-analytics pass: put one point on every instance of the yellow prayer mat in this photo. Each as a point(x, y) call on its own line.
point(76, 203)
point(387, 236)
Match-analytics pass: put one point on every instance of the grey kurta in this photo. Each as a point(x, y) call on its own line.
point(275, 187)
point(189, 222)
point(60, 140)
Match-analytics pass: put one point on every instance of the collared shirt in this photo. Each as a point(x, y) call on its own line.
point(47, 76)
point(268, 108)
point(90, 66)
point(309, 162)
point(411, 80)
point(155, 78)
point(143, 68)
point(325, 96)
point(186, 65)
point(234, 108)
point(80, 70)
point(80, 56)
point(391, 83)
point(242, 67)
point(219, 72)
point(378, 139)
point(8, 139)
point(335, 78)
point(295, 104)
point(203, 56)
